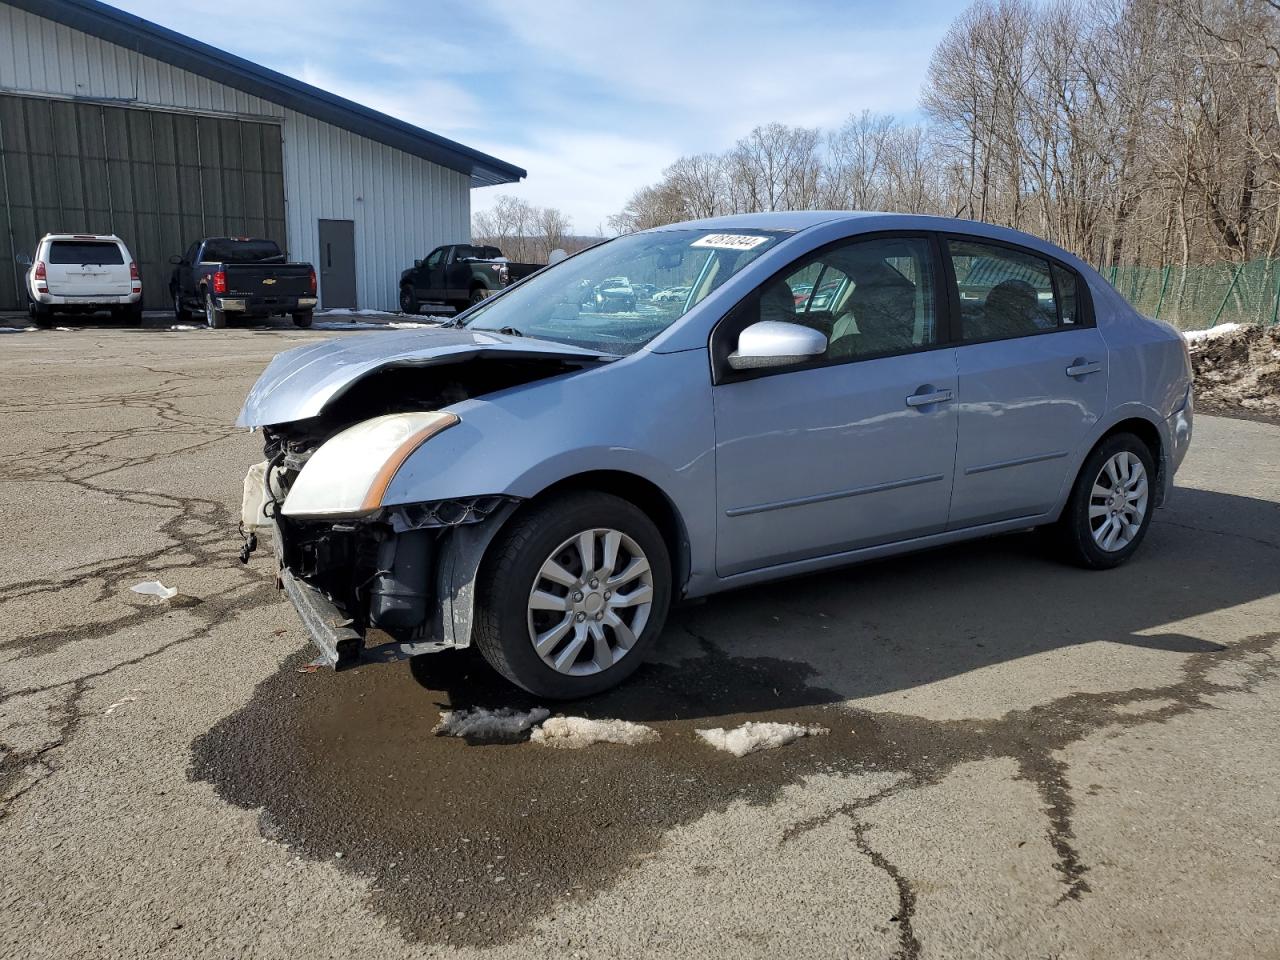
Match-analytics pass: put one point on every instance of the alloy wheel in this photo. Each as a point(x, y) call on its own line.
point(1118, 502)
point(590, 602)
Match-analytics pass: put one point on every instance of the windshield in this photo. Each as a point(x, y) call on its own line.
point(618, 296)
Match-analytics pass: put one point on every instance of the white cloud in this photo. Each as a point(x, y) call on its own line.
point(593, 99)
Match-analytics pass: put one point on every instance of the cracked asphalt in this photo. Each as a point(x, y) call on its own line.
point(1025, 760)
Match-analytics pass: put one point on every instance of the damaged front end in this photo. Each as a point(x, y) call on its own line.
point(350, 563)
point(408, 572)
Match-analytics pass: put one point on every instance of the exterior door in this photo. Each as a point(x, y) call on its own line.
point(1032, 373)
point(337, 263)
point(856, 449)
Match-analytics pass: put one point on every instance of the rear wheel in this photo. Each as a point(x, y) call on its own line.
point(213, 317)
point(41, 315)
point(1110, 506)
point(572, 594)
point(408, 302)
point(303, 319)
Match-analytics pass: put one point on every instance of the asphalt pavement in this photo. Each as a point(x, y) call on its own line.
point(1025, 760)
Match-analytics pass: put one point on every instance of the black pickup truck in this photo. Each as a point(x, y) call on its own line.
point(459, 274)
point(225, 277)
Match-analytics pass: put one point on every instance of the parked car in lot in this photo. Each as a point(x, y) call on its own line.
point(82, 273)
point(544, 479)
point(459, 275)
point(242, 277)
point(671, 295)
point(614, 295)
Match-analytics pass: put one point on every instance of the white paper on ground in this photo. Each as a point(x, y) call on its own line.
point(154, 588)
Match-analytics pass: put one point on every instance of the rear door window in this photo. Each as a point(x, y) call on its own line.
point(85, 251)
point(1003, 292)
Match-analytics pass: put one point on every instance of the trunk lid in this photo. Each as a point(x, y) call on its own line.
point(299, 384)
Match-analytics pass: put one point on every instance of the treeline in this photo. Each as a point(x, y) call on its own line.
point(1128, 131)
point(526, 233)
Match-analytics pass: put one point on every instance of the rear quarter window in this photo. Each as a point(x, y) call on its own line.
point(85, 251)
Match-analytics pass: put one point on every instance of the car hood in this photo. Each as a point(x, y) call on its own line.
point(300, 383)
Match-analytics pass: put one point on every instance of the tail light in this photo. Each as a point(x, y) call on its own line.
point(135, 281)
point(41, 277)
point(313, 280)
point(220, 282)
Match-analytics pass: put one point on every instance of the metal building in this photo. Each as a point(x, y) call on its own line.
point(110, 123)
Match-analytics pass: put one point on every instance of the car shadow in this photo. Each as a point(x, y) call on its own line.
point(893, 625)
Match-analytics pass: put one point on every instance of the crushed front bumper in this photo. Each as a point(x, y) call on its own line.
point(408, 571)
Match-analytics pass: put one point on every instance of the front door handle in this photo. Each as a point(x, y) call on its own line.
point(928, 399)
point(1081, 367)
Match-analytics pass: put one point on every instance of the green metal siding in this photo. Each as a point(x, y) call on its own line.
point(157, 179)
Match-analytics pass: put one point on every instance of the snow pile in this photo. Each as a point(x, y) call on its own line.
point(1221, 330)
point(505, 723)
point(753, 736)
point(577, 732)
point(186, 326)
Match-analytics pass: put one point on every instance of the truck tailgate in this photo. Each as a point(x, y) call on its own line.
point(268, 280)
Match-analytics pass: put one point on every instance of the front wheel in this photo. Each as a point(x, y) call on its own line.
point(572, 594)
point(477, 295)
point(216, 319)
point(408, 301)
point(1110, 506)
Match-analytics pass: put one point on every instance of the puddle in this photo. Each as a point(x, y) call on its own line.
point(472, 842)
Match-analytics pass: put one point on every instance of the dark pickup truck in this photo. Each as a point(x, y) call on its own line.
point(225, 277)
point(459, 274)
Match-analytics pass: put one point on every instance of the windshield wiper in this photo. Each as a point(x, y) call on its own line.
point(510, 331)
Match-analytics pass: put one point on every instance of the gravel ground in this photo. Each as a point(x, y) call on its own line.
point(1024, 760)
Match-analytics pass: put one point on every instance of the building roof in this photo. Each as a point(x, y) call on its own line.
point(152, 40)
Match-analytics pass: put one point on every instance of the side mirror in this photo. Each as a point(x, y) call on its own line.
point(417, 263)
point(23, 260)
point(176, 260)
point(775, 343)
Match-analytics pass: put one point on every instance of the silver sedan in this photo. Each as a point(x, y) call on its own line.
point(544, 477)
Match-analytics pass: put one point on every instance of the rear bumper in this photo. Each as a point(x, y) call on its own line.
point(234, 304)
point(88, 302)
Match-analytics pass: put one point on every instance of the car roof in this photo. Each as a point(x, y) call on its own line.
point(106, 237)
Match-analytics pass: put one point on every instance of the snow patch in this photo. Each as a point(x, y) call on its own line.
point(505, 723)
point(578, 732)
point(186, 326)
point(753, 736)
point(1221, 330)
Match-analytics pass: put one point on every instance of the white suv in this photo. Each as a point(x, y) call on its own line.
point(82, 272)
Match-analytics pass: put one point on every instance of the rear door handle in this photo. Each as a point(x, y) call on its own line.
point(926, 399)
point(1081, 367)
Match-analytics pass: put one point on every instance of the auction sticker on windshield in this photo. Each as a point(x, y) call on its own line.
point(730, 241)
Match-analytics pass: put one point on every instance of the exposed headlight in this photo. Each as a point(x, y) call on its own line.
point(351, 471)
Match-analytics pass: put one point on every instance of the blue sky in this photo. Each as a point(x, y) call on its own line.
point(593, 99)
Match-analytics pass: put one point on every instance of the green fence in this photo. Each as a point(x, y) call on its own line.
point(1193, 298)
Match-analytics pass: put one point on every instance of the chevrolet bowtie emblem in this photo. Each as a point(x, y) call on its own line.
point(267, 282)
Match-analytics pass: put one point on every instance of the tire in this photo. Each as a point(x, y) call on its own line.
point(216, 319)
point(513, 567)
point(477, 295)
point(41, 315)
point(303, 319)
point(180, 313)
point(408, 301)
point(132, 314)
point(1125, 509)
